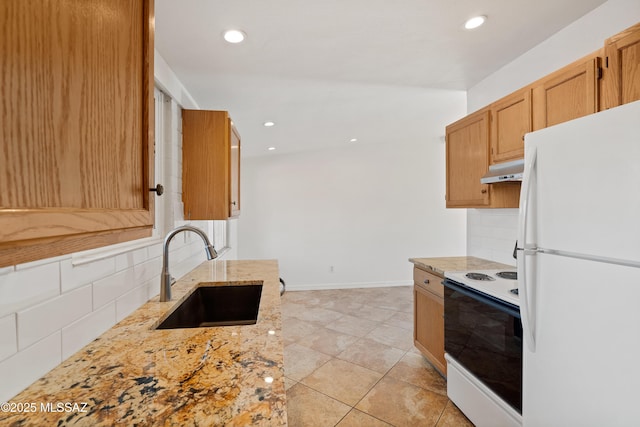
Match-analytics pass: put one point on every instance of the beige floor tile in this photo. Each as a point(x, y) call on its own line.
point(415, 369)
point(402, 404)
point(303, 297)
point(288, 383)
point(372, 355)
point(328, 341)
point(342, 380)
point(341, 305)
point(356, 418)
point(294, 329)
point(375, 314)
point(453, 417)
point(401, 320)
point(392, 336)
point(308, 408)
point(318, 316)
point(352, 325)
point(300, 361)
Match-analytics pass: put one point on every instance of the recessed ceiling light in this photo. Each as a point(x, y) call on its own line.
point(271, 148)
point(353, 140)
point(234, 36)
point(475, 22)
point(268, 124)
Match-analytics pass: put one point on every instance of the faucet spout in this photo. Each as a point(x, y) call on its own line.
point(165, 277)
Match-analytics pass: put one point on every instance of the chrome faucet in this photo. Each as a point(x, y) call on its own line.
point(165, 277)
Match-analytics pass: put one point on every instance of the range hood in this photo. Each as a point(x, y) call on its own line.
point(504, 172)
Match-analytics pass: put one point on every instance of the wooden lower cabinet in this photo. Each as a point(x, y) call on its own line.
point(428, 318)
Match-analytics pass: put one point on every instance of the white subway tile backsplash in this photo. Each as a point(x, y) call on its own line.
point(129, 302)
point(147, 270)
point(8, 336)
point(23, 368)
point(74, 276)
point(41, 320)
point(112, 287)
point(24, 288)
point(130, 259)
point(155, 251)
point(491, 234)
point(86, 329)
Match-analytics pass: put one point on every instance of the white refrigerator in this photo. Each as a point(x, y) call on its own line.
point(579, 272)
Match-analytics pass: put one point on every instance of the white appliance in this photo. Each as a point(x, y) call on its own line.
point(483, 345)
point(579, 272)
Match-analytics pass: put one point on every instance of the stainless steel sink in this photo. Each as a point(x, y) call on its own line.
point(209, 306)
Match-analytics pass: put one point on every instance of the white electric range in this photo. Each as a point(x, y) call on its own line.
point(501, 284)
point(483, 345)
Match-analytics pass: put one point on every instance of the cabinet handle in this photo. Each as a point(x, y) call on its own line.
point(426, 281)
point(483, 191)
point(233, 203)
point(159, 189)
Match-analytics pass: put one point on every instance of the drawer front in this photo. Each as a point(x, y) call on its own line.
point(428, 281)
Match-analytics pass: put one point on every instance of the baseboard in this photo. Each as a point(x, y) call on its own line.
point(352, 285)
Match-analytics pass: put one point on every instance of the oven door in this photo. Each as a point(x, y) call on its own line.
point(484, 334)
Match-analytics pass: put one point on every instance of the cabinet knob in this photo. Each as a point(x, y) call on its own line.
point(159, 189)
point(483, 191)
point(426, 281)
point(233, 203)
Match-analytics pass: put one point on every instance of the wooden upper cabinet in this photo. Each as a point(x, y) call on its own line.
point(567, 94)
point(210, 165)
point(621, 78)
point(467, 160)
point(511, 119)
point(77, 125)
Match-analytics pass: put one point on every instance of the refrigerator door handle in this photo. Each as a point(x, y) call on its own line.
point(526, 312)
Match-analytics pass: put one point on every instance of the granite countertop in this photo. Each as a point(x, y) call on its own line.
point(441, 264)
point(136, 375)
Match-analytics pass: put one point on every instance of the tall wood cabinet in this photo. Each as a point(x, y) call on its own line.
point(428, 319)
point(621, 83)
point(77, 125)
point(467, 157)
point(210, 165)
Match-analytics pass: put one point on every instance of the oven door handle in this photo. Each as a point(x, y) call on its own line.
point(505, 307)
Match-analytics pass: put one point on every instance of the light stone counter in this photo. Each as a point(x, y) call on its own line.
point(136, 375)
point(441, 264)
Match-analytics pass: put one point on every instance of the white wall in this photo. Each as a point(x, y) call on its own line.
point(51, 308)
point(491, 233)
point(363, 209)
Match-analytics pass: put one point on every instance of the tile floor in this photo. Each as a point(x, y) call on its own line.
point(350, 361)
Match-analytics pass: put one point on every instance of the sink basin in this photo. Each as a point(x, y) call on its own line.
point(209, 306)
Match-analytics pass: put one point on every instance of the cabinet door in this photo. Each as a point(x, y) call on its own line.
point(510, 120)
point(210, 165)
point(428, 331)
point(77, 126)
point(621, 80)
point(234, 207)
point(467, 160)
point(566, 94)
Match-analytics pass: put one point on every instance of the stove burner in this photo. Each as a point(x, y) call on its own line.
point(514, 291)
point(511, 275)
point(478, 276)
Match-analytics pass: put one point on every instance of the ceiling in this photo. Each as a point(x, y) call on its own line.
point(332, 70)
